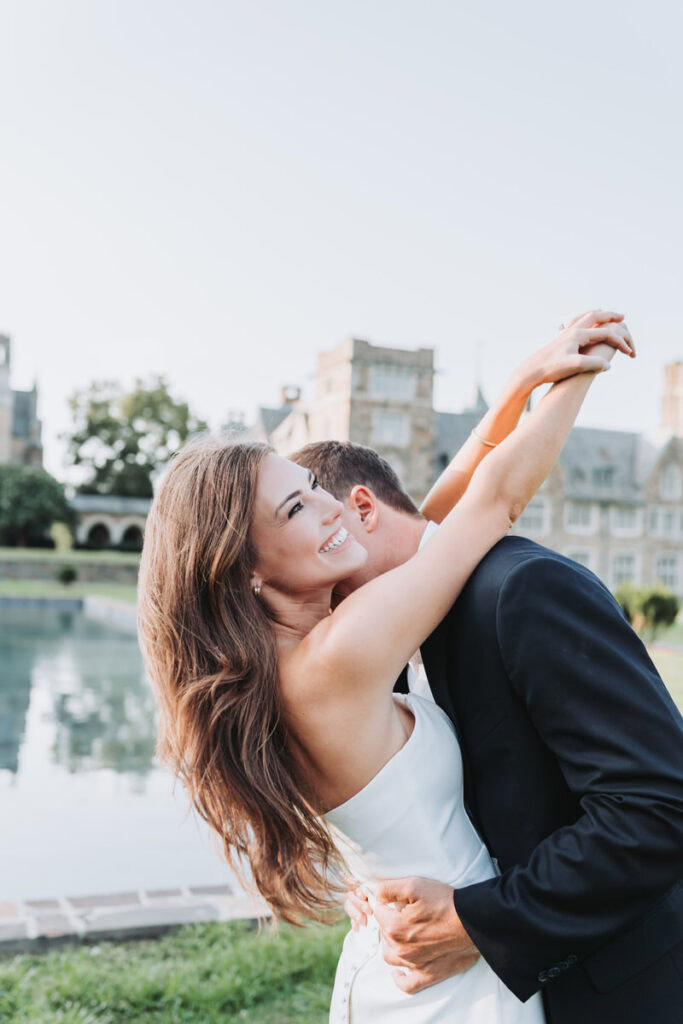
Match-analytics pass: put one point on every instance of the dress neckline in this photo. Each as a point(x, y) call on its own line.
point(399, 698)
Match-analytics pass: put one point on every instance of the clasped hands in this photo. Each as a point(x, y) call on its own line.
point(422, 935)
point(586, 344)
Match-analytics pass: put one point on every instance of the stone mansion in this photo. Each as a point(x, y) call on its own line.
point(614, 501)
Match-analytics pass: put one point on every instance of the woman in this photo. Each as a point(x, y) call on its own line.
point(280, 716)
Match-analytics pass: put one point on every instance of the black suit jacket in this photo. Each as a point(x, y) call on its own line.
point(573, 767)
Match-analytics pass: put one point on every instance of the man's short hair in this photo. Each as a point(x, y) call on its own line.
point(341, 465)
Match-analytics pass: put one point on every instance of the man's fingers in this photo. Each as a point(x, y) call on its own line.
point(393, 957)
point(388, 919)
point(395, 890)
point(410, 982)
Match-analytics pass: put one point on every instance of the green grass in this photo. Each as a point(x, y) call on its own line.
point(75, 556)
point(203, 974)
point(51, 588)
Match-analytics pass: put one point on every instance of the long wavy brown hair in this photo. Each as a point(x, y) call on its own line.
point(210, 650)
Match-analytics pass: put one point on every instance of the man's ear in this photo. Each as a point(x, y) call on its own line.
point(363, 502)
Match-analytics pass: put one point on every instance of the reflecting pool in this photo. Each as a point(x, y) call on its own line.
point(85, 806)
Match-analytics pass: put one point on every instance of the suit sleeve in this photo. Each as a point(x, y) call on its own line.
point(598, 703)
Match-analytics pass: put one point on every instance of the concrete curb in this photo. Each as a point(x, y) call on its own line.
point(37, 926)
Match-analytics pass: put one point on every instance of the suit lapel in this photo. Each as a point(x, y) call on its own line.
point(401, 684)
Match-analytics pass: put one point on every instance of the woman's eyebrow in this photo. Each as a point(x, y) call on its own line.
point(294, 494)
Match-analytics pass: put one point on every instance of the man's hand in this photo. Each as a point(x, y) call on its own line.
point(424, 935)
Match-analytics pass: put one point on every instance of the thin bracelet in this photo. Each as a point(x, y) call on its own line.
point(489, 444)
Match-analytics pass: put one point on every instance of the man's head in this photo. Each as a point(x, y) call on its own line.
point(377, 510)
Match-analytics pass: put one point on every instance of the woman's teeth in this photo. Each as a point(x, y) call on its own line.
point(336, 541)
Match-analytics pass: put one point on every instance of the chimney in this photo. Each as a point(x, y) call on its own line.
point(672, 399)
point(289, 394)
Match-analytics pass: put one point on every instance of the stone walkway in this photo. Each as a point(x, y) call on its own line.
point(38, 925)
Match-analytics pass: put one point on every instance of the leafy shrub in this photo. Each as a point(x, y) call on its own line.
point(67, 574)
point(659, 608)
point(649, 609)
point(626, 597)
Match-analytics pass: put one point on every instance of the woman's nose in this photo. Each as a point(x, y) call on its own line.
point(336, 509)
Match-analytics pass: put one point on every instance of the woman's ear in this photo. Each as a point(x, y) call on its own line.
point(364, 504)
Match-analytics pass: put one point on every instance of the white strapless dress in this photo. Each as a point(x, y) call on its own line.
point(410, 819)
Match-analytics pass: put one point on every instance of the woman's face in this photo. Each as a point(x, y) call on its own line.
point(297, 530)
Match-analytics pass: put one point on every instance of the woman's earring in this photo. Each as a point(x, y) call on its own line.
point(257, 590)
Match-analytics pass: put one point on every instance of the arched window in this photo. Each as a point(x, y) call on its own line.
point(99, 536)
point(670, 482)
point(132, 539)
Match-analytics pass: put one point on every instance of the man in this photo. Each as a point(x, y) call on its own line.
point(573, 766)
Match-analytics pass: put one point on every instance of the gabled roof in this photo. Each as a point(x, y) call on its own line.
point(269, 418)
point(591, 454)
point(452, 430)
point(597, 464)
point(479, 404)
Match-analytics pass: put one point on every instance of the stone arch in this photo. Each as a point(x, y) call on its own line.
point(131, 538)
point(99, 535)
point(121, 526)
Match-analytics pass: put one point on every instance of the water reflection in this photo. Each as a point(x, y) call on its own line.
point(90, 809)
point(102, 708)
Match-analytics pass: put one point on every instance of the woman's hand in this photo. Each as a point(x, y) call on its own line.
point(357, 906)
point(571, 351)
point(586, 345)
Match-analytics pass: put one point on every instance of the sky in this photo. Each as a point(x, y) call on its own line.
point(216, 191)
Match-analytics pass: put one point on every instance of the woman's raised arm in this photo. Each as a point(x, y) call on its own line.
point(368, 639)
point(566, 356)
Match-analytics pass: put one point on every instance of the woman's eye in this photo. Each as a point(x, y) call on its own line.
point(295, 508)
point(316, 483)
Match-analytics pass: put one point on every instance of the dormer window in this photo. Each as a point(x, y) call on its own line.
point(671, 482)
point(604, 476)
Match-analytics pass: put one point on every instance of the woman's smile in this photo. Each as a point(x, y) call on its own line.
point(337, 541)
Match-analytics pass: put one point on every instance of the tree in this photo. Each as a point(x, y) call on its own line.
point(659, 608)
point(30, 502)
point(121, 438)
point(648, 610)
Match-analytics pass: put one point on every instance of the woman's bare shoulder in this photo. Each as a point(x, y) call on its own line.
point(306, 666)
